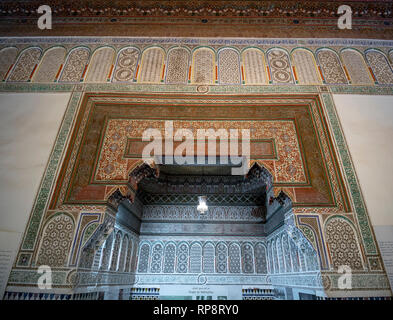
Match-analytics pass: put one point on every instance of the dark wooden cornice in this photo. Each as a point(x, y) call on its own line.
point(184, 18)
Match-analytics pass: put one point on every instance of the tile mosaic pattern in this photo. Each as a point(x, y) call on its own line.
point(343, 244)
point(56, 241)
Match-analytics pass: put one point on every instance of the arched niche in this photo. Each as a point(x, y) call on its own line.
point(177, 66)
point(151, 65)
point(221, 257)
point(356, 67)
point(169, 258)
point(195, 258)
point(254, 66)
point(26, 64)
point(126, 64)
point(228, 66)
point(306, 67)
point(75, 65)
point(343, 243)
point(115, 251)
point(203, 66)
point(50, 65)
point(144, 255)
point(100, 65)
point(332, 70)
point(234, 258)
point(156, 257)
point(280, 66)
point(208, 258)
point(380, 66)
point(123, 253)
point(56, 241)
point(7, 58)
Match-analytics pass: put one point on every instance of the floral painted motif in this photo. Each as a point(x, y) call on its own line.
point(25, 65)
point(112, 165)
point(75, 65)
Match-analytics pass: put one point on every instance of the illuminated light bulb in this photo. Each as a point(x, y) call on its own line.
point(202, 207)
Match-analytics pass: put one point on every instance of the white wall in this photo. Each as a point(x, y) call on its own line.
point(367, 122)
point(29, 123)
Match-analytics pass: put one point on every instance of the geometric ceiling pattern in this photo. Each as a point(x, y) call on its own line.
point(99, 159)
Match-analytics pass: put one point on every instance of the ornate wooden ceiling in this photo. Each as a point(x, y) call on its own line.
point(371, 19)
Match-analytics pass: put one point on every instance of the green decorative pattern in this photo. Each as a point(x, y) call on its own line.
point(167, 88)
point(309, 235)
point(89, 231)
point(264, 89)
point(362, 281)
point(50, 173)
point(362, 90)
point(360, 209)
point(35, 87)
point(59, 277)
